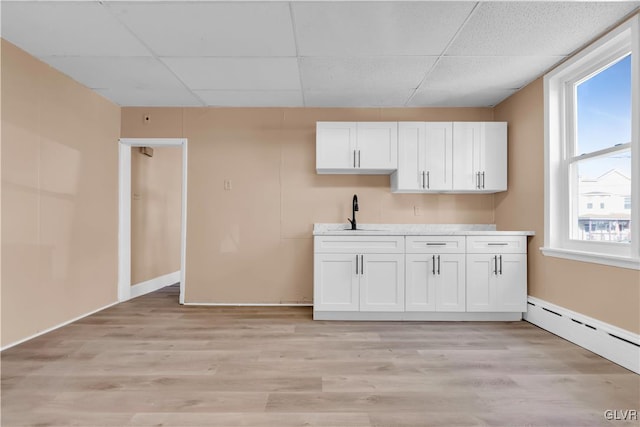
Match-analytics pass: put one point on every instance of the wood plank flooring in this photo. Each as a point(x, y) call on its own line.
point(152, 362)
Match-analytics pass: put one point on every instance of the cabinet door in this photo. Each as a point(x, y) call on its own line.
point(411, 156)
point(481, 278)
point(450, 286)
point(382, 282)
point(494, 156)
point(497, 282)
point(466, 155)
point(335, 283)
point(437, 156)
point(377, 145)
point(420, 283)
point(511, 289)
point(335, 146)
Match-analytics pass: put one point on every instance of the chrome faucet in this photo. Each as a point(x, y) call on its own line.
point(354, 206)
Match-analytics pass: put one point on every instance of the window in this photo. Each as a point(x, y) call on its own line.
point(592, 110)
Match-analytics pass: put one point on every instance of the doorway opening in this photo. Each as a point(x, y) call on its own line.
point(125, 147)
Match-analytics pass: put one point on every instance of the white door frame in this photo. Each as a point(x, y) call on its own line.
point(124, 210)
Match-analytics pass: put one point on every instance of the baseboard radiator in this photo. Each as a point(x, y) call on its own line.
point(618, 345)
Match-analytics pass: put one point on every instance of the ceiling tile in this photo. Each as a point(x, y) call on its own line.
point(210, 28)
point(395, 98)
point(231, 98)
point(117, 73)
point(483, 72)
point(237, 73)
point(67, 28)
point(151, 97)
point(364, 74)
point(459, 98)
point(347, 53)
point(376, 28)
point(535, 28)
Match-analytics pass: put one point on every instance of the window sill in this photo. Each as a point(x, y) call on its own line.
point(612, 260)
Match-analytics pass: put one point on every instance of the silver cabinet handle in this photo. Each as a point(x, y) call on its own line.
point(357, 265)
point(428, 180)
point(436, 244)
point(433, 264)
point(422, 179)
point(354, 158)
point(477, 179)
point(362, 264)
point(482, 179)
point(358, 158)
point(495, 265)
point(497, 244)
point(501, 265)
point(438, 264)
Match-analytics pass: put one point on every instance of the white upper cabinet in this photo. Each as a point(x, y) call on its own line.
point(335, 145)
point(424, 157)
point(356, 147)
point(438, 174)
point(411, 157)
point(451, 157)
point(480, 156)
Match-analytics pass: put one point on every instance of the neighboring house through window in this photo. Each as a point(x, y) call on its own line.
point(592, 120)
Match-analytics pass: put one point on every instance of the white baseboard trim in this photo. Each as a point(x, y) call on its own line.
point(159, 282)
point(224, 304)
point(53, 328)
point(400, 316)
point(613, 343)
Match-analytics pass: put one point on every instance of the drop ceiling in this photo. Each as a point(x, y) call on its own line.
point(299, 53)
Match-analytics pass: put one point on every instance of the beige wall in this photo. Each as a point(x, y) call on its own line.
point(59, 197)
point(156, 189)
point(253, 243)
point(606, 293)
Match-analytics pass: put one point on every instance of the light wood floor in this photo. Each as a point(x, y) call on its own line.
point(152, 362)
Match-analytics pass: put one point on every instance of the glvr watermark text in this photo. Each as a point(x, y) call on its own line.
point(621, 414)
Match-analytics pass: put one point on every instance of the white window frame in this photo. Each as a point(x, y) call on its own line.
point(558, 124)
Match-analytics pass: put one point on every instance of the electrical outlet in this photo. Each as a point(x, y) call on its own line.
point(417, 211)
point(227, 184)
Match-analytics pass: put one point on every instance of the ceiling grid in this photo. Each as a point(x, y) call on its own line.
point(475, 7)
point(306, 53)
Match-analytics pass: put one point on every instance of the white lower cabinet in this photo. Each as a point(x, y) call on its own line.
point(497, 275)
point(382, 282)
point(420, 277)
point(435, 282)
point(355, 274)
point(336, 284)
point(496, 282)
point(435, 273)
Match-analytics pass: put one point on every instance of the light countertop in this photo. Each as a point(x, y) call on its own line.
point(335, 229)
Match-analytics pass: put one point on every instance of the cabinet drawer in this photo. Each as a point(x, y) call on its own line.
point(359, 244)
point(435, 244)
point(496, 244)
